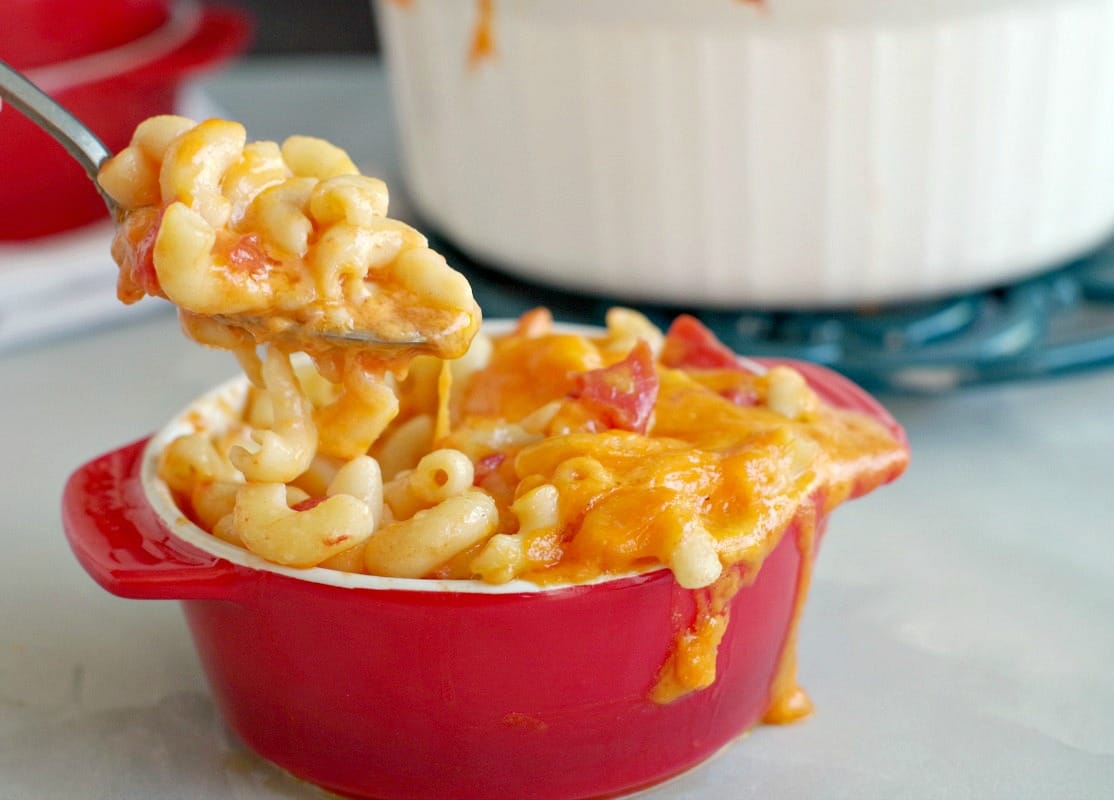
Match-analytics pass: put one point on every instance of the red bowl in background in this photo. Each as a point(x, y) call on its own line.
point(38, 32)
point(423, 690)
point(44, 190)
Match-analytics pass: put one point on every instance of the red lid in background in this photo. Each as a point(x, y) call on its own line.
point(39, 32)
point(44, 190)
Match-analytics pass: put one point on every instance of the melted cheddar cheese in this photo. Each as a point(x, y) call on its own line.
point(743, 471)
point(715, 456)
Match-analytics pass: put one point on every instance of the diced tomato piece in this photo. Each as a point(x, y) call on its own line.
point(535, 322)
point(487, 465)
point(309, 502)
point(689, 344)
point(740, 396)
point(246, 253)
point(143, 271)
point(623, 395)
point(136, 242)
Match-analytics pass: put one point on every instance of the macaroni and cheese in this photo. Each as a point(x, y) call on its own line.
point(286, 244)
point(538, 454)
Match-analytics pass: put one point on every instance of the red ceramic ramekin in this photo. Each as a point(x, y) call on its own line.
point(424, 690)
point(44, 190)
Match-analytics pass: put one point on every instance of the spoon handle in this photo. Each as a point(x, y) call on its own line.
point(64, 127)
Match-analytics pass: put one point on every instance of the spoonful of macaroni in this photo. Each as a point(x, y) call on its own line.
point(261, 242)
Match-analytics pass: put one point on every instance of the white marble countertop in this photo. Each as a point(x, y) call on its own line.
point(958, 643)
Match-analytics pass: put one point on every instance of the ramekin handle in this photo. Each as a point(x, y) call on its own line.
point(121, 542)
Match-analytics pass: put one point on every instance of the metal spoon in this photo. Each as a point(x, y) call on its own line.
point(90, 153)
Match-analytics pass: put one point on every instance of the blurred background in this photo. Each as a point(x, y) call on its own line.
point(284, 27)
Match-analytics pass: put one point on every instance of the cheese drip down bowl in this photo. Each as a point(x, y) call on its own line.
point(418, 688)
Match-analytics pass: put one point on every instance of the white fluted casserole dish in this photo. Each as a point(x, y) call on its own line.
point(794, 154)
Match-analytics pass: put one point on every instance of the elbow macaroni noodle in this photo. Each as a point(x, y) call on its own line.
point(527, 483)
point(536, 454)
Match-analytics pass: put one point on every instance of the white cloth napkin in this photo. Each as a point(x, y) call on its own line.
point(60, 285)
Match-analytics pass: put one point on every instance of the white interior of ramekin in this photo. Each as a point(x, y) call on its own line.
point(182, 24)
point(213, 411)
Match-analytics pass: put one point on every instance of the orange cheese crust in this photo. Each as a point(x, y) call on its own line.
point(745, 471)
